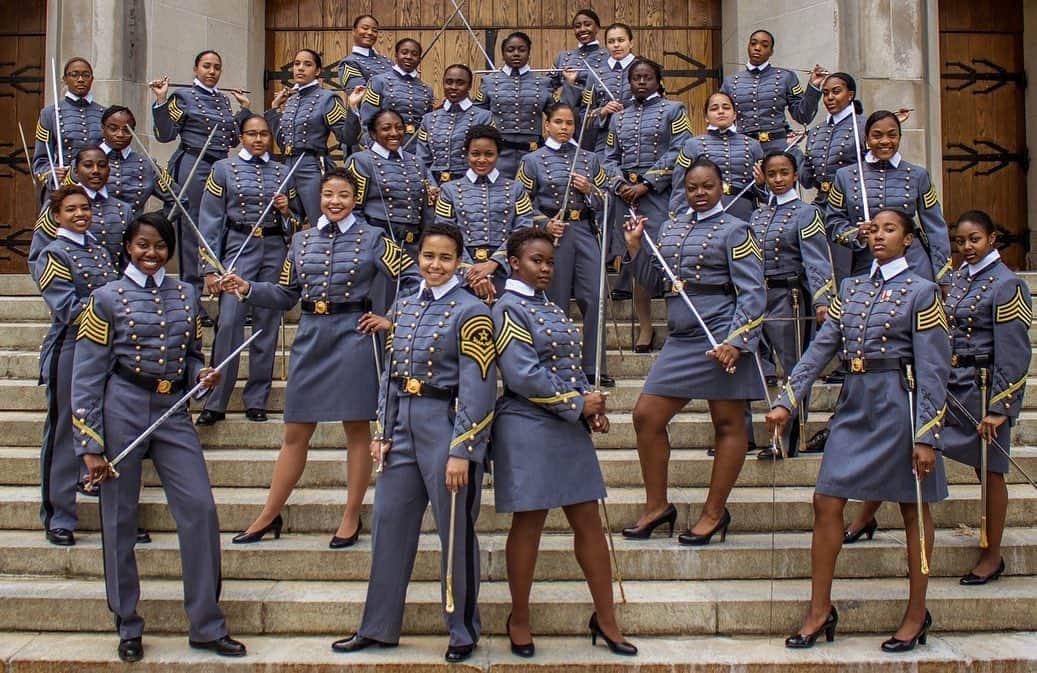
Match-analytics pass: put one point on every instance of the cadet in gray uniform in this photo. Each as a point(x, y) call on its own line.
point(301, 126)
point(440, 144)
point(545, 176)
point(546, 396)
point(139, 347)
point(130, 176)
point(891, 182)
point(879, 324)
point(718, 262)
point(619, 38)
point(763, 92)
point(237, 191)
point(70, 268)
point(797, 269)
point(334, 344)
point(588, 54)
point(110, 215)
point(436, 401)
point(79, 118)
point(363, 62)
point(517, 98)
point(829, 147)
point(736, 154)
point(190, 114)
point(399, 89)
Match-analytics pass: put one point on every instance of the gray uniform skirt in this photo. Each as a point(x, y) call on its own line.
point(868, 454)
point(331, 373)
point(960, 439)
point(683, 370)
point(540, 460)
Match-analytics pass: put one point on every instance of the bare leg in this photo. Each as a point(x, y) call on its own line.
point(824, 550)
point(915, 613)
point(592, 553)
point(643, 311)
point(731, 443)
point(521, 554)
point(358, 473)
point(291, 461)
point(866, 514)
point(651, 414)
point(997, 511)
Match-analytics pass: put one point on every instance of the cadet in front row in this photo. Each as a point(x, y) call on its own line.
point(139, 347)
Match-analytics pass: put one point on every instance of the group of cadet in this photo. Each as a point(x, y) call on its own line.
point(449, 246)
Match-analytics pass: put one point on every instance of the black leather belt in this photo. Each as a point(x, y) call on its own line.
point(403, 233)
point(422, 389)
point(260, 232)
point(290, 151)
point(209, 154)
point(701, 288)
point(782, 281)
point(767, 136)
point(740, 192)
point(321, 307)
point(863, 365)
point(972, 360)
point(149, 383)
point(527, 146)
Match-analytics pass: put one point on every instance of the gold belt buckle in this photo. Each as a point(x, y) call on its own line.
point(574, 215)
point(631, 177)
point(320, 307)
point(412, 386)
point(163, 386)
point(954, 359)
point(678, 286)
point(826, 186)
point(533, 145)
point(727, 188)
point(765, 136)
point(444, 176)
point(410, 129)
point(482, 253)
point(408, 237)
point(258, 233)
point(857, 365)
point(288, 149)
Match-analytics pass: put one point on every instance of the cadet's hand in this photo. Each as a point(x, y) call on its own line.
point(212, 284)
point(632, 230)
point(821, 312)
point(988, 426)
point(639, 190)
point(776, 419)
point(160, 87)
point(481, 270)
point(456, 473)
point(555, 227)
point(570, 74)
point(369, 323)
point(794, 137)
point(60, 172)
point(923, 460)
point(97, 469)
point(726, 354)
point(581, 183)
point(758, 174)
point(379, 448)
point(611, 107)
point(483, 288)
point(209, 377)
point(433, 193)
point(356, 96)
point(864, 231)
point(239, 96)
point(599, 423)
point(232, 283)
point(594, 403)
point(817, 75)
point(281, 204)
point(281, 96)
point(903, 114)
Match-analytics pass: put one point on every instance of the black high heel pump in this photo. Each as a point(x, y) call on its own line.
point(248, 538)
point(669, 516)
point(624, 648)
point(801, 641)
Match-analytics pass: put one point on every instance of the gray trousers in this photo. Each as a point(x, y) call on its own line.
point(260, 261)
point(655, 207)
point(177, 455)
point(576, 274)
point(307, 183)
point(415, 476)
point(189, 261)
point(60, 467)
point(779, 336)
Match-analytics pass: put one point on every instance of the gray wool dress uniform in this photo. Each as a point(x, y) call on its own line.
point(762, 94)
point(392, 187)
point(582, 57)
point(589, 55)
point(614, 75)
point(735, 154)
point(436, 397)
point(360, 66)
point(441, 136)
point(796, 266)
point(829, 147)
point(80, 120)
point(190, 113)
point(302, 128)
point(717, 258)
point(517, 99)
point(401, 91)
point(487, 210)
point(237, 190)
point(538, 352)
point(891, 184)
point(990, 313)
point(138, 347)
point(878, 322)
point(109, 219)
point(132, 179)
point(330, 269)
point(577, 266)
point(70, 268)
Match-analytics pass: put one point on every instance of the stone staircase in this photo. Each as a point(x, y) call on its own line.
point(723, 607)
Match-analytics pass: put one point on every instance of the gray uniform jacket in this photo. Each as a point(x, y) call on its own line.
point(441, 136)
point(517, 102)
point(405, 94)
point(643, 142)
point(591, 55)
point(132, 179)
point(761, 99)
point(80, 127)
point(191, 113)
point(735, 154)
point(110, 216)
point(792, 237)
point(829, 147)
point(545, 174)
point(309, 117)
point(393, 189)
point(358, 68)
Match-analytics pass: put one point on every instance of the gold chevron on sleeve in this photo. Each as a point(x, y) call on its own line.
point(337, 112)
point(372, 97)
point(610, 139)
point(835, 308)
point(54, 269)
point(46, 222)
point(748, 247)
point(797, 89)
point(523, 205)
point(361, 182)
point(42, 134)
point(588, 97)
point(476, 341)
point(394, 259)
point(92, 327)
point(683, 160)
point(164, 179)
point(348, 72)
point(1016, 308)
point(601, 177)
point(175, 113)
point(444, 208)
point(512, 331)
point(835, 197)
point(212, 186)
point(285, 277)
point(932, 316)
point(679, 124)
point(198, 327)
point(816, 226)
point(422, 134)
point(521, 176)
point(930, 199)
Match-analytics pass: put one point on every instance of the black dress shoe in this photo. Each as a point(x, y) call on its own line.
point(455, 654)
point(131, 649)
point(90, 492)
point(771, 381)
point(357, 642)
point(225, 646)
point(209, 417)
point(207, 321)
point(769, 453)
point(248, 320)
point(749, 448)
point(669, 516)
point(690, 539)
point(61, 537)
point(648, 347)
point(256, 414)
point(606, 381)
point(343, 542)
point(816, 444)
point(623, 647)
point(801, 641)
point(248, 538)
point(620, 295)
point(869, 530)
point(526, 650)
point(894, 645)
point(972, 579)
point(143, 536)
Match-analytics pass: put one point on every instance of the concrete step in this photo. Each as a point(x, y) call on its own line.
point(730, 607)
point(319, 510)
point(306, 556)
point(945, 653)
